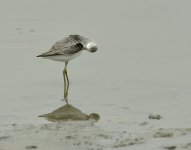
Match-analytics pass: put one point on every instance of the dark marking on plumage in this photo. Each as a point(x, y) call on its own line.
point(71, 50)
point(76, 37)
point(74, 49)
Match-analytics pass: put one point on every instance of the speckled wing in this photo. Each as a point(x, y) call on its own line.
point(66, 46)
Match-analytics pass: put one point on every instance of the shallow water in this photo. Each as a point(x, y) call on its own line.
point(141, 67)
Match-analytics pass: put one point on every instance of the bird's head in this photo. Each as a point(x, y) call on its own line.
point(91, 47)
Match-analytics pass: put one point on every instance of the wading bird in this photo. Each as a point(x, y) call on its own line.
point(67, 49)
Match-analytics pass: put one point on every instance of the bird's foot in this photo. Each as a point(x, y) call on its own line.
point(66, 100)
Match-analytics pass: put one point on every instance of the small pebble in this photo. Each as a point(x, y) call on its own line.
point(163, 134)
point(170, 147)
point(31, 147)
point(157, 117)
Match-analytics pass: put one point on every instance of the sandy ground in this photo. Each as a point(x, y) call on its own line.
point(85, 135)
point(138, 81)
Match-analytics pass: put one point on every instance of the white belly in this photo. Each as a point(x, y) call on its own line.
point(63, 58)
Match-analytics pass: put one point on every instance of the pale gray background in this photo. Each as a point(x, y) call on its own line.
point(144, 55)
point(142, 67)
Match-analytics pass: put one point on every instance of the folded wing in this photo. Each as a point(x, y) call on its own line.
point(67, 46)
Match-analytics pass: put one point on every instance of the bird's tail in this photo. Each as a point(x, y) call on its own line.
point(41, 55)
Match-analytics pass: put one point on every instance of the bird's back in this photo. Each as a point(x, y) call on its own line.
point(65, 49)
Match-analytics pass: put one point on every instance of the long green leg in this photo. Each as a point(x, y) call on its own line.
point(66, 83)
